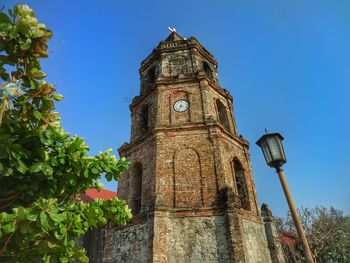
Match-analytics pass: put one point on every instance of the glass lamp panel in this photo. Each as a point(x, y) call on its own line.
point(266, 151)
point(275, 148)
point(283, 156)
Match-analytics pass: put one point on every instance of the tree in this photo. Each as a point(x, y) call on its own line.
point(327, 230)
point(41, 165)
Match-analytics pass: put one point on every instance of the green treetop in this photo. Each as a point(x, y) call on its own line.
point(41, 165)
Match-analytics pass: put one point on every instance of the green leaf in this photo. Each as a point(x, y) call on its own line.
point(4, 18)
point(64, 259)
point(37, 73)
point(22, 167)
point(44, 220)
point(60, 235)
point(23, 28)
point(54, 162)
point(8, 172)
point(72, 181)
point(58, 217)
point(38, 115)
point(46, 155)
point(94, 170)
point(51, 245)
point(81, 256)
point(5, 217)
point(86, 173)
point(9, 228)
point(57, 97)
point(47, 169)
point(38, 32)
point(36, 167)
point(31, 217)
point(27, 44)
point(15, 153)
point(22, 213)
point(76, 156)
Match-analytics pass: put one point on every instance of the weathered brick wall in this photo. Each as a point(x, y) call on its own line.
point(178, 62)
point(142, 153)
point(136, 126)
point(231, 151)
point(211, 95)
point(169, 94)
point(186, 175)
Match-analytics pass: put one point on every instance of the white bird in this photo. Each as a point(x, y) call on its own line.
point(172, 29)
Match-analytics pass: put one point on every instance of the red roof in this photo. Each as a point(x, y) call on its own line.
point(289, 238)
point(92, 194)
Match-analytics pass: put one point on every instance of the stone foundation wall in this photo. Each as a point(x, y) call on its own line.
point(198, 239)
point(255, 242)
point(131, 245)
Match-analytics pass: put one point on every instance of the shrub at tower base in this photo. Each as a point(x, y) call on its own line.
point(41, 166)
point(327, 230)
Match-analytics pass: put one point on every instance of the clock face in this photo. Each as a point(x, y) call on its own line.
point(181, 105)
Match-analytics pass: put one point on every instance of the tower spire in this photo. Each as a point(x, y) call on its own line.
point(173, 35)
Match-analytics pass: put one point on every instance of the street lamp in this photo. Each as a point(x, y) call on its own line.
point(272, 148)
point(271, 145)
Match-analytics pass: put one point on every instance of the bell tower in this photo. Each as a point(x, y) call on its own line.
point(190, 183)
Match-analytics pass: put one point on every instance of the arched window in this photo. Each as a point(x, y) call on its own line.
point(242, 189)
point(136, 188)
point(145, 118)
point(207, 70)
point(222, 114)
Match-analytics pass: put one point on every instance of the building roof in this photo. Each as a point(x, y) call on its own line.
point(92, 194)
point(174, 36)
point(289, 238)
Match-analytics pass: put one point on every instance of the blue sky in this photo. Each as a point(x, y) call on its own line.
point(286, 63)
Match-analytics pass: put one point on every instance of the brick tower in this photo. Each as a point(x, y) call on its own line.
point(190, 184)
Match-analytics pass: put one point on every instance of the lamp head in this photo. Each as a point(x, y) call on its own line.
point(272, 148)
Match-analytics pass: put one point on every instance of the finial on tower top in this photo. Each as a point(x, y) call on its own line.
point(171, 29)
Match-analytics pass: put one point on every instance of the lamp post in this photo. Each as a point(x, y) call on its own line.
point(272, 148)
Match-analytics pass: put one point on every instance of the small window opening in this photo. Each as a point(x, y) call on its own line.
point(145, 118)
point(242, 190)
point(147, 81)
point(207, 70)
point(222, 114)
point(151, 74)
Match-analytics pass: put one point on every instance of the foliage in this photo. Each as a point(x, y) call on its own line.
point(327, 230)
point(41, 165)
